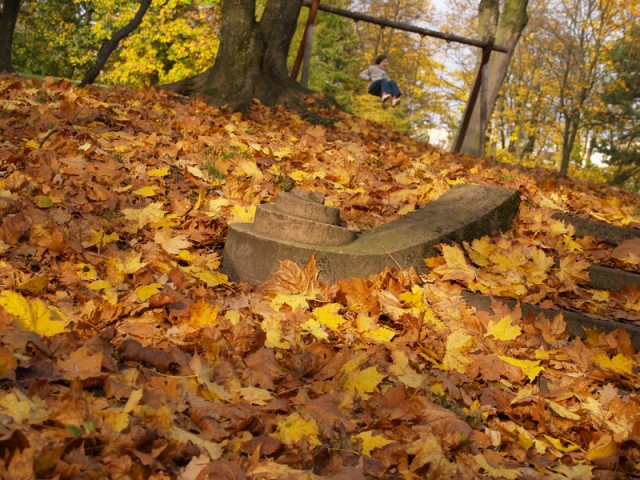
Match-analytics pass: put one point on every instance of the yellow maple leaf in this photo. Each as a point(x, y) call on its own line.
point(170, 242)
point(202, 313)
point(132, 263)
point(298, 175)
point(43, 201)
point(370, 442)
point(531, 368)
point(273, 329)
point(294, 301)
point(110, 293)
point(497, 472)
point(18, 307)
point(619, 363)
point(458, 345)
point(183, 436)
point(216, 206)
point(21, 408)
point(86, 271)
point(209, 277)
point(249, 168)
point(575, 472)
point(100, 238)
point(241, 214)
point(606, 447)
point(195, 171)
point(142, 217)
point(328, 315)
point(255, 396)
point(370, 329)
point(503, 329)
point(428, 450)
point(282, 153)
point(145, 292)
point(148, 191)
point(294, 428)
point(480, 250)
point(405, 372)
point(414, 298)
point(364, 381)
point(33, 315)
point(159, 172)
point(457, 267)
point(315, 328)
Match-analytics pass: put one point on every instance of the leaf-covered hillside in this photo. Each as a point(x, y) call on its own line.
point(126, 353)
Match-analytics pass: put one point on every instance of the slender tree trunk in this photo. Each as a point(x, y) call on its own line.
point(8, 21)
point(110, 45)
point(252, 57)
point(508, 30)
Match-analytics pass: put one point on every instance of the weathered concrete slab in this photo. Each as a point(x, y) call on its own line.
point(462, 214)
point(605, 278)
point(611, 234)
point(576, 323)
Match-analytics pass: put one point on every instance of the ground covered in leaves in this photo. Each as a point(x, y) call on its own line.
point(126, 353)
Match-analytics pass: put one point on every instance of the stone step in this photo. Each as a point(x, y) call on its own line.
point(611, 234)
point(272, 222)
point(606, 278)
point(253, 253)
point(576, 323)
point(310, 207)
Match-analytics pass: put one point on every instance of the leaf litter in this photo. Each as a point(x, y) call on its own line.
point(126, 353)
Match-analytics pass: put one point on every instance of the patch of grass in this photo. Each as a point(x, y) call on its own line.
point(283, 182)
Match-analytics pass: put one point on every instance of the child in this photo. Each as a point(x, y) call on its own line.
point(379, 82)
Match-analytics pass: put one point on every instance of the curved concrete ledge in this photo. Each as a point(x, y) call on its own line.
point(462, 214)
point(611, 234)
point(307, 206)
point(273, 222)
point(576, 323)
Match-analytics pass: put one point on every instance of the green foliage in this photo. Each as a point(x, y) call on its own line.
point(177, 39)
point(54, 38)
point(621, 137)
point(336, 60)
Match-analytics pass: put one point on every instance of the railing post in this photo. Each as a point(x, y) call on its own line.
point(481, 77)
point(303, 43)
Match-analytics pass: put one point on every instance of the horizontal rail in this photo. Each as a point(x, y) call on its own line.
point(406, 27)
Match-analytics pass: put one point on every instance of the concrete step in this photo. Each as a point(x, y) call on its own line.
point(576, 322)
point(272, 222)
point(253, 253)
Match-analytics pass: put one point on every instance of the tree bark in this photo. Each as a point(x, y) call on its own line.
point(506, 29)
point(110, 45)
point(8, 21)
point(252, 57)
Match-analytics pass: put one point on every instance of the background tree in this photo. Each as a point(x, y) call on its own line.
point(621, 139)
point(252, 57)
point(8, 18)
point(506, 27)
point(577, 34)
point(110, 45)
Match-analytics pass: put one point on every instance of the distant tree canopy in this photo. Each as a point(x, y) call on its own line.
point(561, 98)
point(621, 141)
point(62, 38)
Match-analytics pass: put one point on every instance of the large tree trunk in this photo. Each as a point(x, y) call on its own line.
point(7, 26)
point(506, 29)
point(252, 58)
point(109, 46)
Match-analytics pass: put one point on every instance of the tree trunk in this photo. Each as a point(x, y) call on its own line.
point(7, 26)
point(252, 58)
point(110, 45)
point(506, 32)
